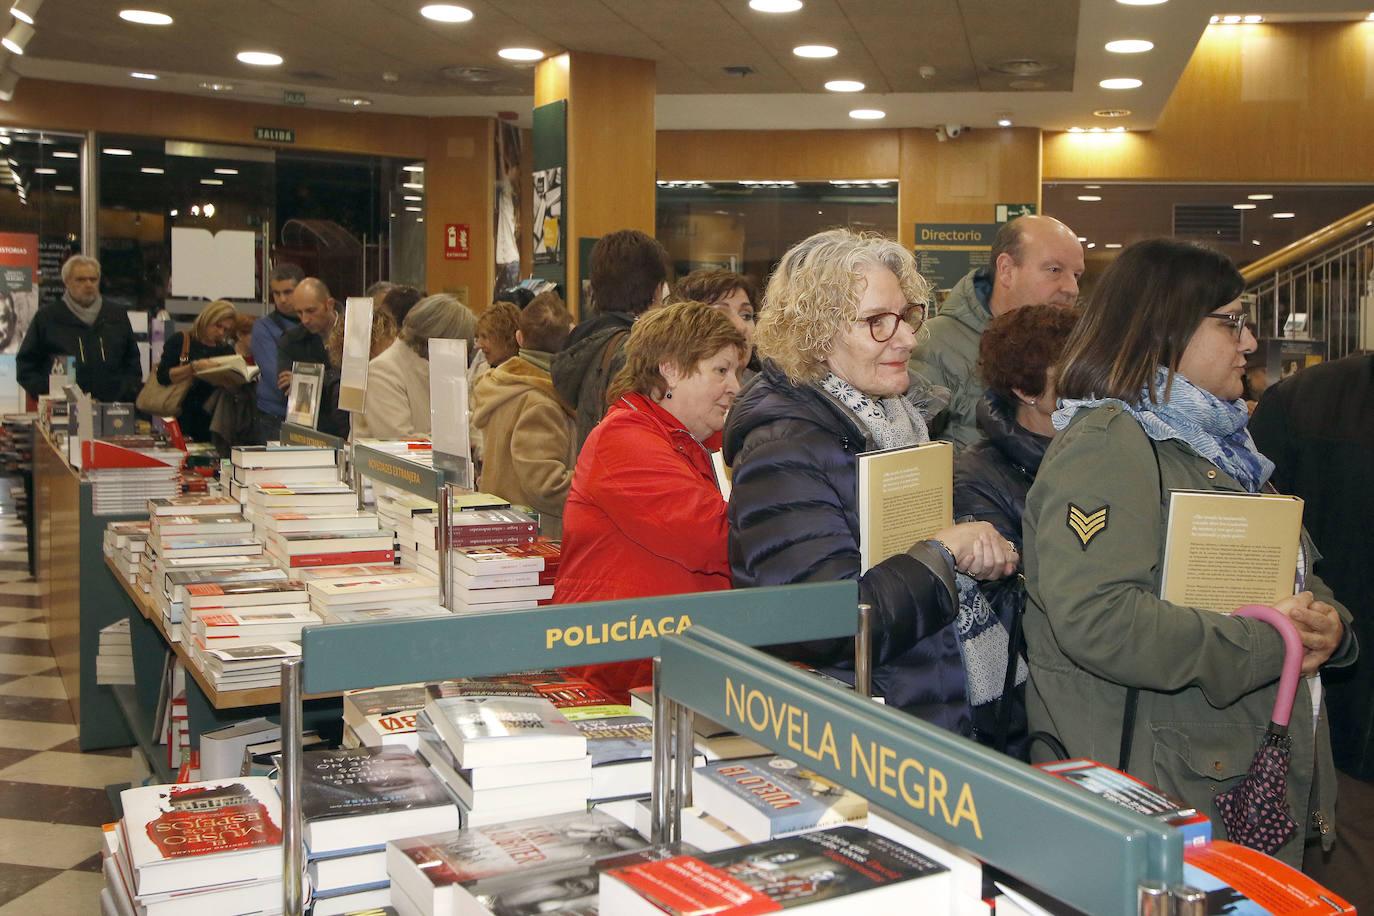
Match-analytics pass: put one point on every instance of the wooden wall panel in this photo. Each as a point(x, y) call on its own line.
point(782, 155)
point(460, 183)
point(1282, 103)
point(962, 180)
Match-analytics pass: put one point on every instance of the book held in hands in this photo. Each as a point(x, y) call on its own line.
point(905, 495)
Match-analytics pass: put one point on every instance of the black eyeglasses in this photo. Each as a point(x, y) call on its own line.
point(1237, 322)
point(884, 324)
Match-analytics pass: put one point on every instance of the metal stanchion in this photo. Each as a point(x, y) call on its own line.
point(863, 652)
point(289, 781)
point(445, 540)
point(682, 772)
point(1152, 899)
point(1188, 901)
point(662, 782)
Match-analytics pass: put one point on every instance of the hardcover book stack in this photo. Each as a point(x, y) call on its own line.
point(204, 847)
point(541, 865)
point(366, 543)
point(287, 465)
point(841, 870)
point(383, 716)
point(397, 509)
point(124, 543)
point(503, 576)
point(240, 616)
point(114, 658)
point(194, 531)
point(768, 797)
point(366, 598)
point(505, 754)
point(263, 500)
point(353, 801)
point(169, 592)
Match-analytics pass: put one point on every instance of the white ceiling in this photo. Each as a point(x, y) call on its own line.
point(342, 48)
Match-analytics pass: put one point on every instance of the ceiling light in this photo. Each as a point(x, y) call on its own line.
point(413, 167)
point(62, 187)
point(1082, 238)
point(218, 87)
point(1092, 187)
point(1253, 19)
point(415, 209)
point(1141, 2)
point(226, 171)
point(1118, 129)
point(1230, 20)
point(417, 197)
point(195, 209)
point(259, 58)
point(65, 154)
point(116, 151)
point(413, 185)
point(171, 213)
point(520, 54)
point(1112, 245)
point(1112, 112)
point(1260, 196)
point(212, 181)
point(208, 210)
point(139, 75)
point(775, 6)
point(1130, 46)
point(1089, 198)
point(1243, 206)
point(145, 17)
point(446, 12)
point(867, 114)
point(8, 83)
point(357, 101)
point(845, 86)
point(1097, 130)
point(1120, 82)
point(44, 170)
point(25, 10)
point(1075, 130)
point(18, 37)
point(1370, 17)
point(151, 170)
point(1004, 122)
point(816, 51)
point(1284, 215)
point(1090, 245)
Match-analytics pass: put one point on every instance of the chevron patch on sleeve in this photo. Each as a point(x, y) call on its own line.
point(1087, 525)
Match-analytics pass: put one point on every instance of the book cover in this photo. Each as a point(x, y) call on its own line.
point(490, 560)
point(1226, 550)
point(192, 505)
point(1129, 792)
point(767, 797)
point(230, 371)
point(356, 614)
point(200, 595)
point(303, 399)
point(1243, 882)
point(493, 730)
point(783, 874)
point(281, 456)
point(905, 496)
point(365, 796)
point(291, 543)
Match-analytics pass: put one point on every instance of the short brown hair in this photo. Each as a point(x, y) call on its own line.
point(626, 270)
point(498, 325)
point(712, 284)
point(1019, 346)
point(683, 334)
point(1141, 315)
point(401, 299)
point(545, 323)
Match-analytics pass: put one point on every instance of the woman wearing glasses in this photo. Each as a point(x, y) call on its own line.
point(1149, 392)
point(840, 319)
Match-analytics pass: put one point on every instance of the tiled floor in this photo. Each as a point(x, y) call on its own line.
point(52, 796)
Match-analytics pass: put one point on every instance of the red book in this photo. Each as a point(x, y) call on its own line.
point(1237, 879)
point(301, 560)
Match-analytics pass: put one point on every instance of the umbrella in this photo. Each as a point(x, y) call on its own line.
point(1255, 811)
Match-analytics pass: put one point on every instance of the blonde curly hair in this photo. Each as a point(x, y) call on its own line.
point(814, 294)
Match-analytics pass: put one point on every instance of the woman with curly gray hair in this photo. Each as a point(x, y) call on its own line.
point(841, 316)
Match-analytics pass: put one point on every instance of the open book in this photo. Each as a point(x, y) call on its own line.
point(228, 371)
point(905, 496)
point(1226, 550)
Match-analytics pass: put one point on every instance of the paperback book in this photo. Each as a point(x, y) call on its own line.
point(768, 797)
point(361, 797)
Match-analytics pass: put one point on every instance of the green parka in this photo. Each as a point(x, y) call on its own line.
point(1094, 626)
point(948, 353)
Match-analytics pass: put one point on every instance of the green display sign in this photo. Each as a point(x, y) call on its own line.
point(274, 134)
point(947, 251)
point(1005, 213)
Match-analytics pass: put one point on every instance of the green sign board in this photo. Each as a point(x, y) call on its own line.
point(295, 434)
point(274, 134)
point(947, 251)
point(396, 471)
point(1005, 213)
point(292, 97)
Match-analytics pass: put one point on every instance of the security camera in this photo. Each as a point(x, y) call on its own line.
point(954, 130)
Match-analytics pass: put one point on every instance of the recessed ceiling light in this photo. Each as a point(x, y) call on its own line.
point(1284, 215)
point(816, 51)
point(1118, 129)
point(1097, 130)
point(1089, 198)
point(211, 181)
point(356, 101)
point(1112, 245)
point(1075, 130)
point(44, 170)
point(1090, 245)
point(116, 151)
point(259, 58)
point(1082, 238)
point(226, 171)
point(208, 210)
point(18, 37)
point(1004, 122)
point(1243, 206)
point(446, 12)
point(867, 114)
point(1130, 46)
point(413, 185)
point(520, 54)
point(413, 167)
point(1260, 196)
point(415, 209)
point(412, 197)
point(775, 6)
point(1120, 82)
point(1230, 20)
point(1112, 112)
point(63, 187)
point(139, 75)
point(218, 87)
point(145, 17)
point(1092, 187)
point(151, 170)
point(1253, 19)
point(845, 86)
point(1141, 2)
point(65, 154)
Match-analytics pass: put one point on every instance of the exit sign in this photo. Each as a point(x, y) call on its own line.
point(293, 98)
point(274, 134)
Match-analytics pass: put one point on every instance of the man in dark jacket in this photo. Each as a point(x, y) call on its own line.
point(82, 325)
point(305, 344)
point(628, 275)
point(271, 403)
point(1318, 428)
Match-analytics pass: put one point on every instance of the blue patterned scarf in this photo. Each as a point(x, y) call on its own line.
point(1213, 428)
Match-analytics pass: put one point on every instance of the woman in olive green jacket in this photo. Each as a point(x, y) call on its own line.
point(1150, 387)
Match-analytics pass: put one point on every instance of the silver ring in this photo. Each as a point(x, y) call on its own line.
point(1011, 546)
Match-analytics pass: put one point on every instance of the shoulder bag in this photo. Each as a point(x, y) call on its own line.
point(162, 400)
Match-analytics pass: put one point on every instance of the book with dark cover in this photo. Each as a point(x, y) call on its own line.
point(813, 869)
point(449, 870)
point(767, 797)
point(365, 796)
point(490, 560)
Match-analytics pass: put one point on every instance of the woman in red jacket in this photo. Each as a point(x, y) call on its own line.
point(645, 515)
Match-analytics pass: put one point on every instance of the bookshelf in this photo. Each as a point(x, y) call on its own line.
point(1083, 850)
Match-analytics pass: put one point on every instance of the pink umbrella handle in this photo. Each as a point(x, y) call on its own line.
point(1292, 662)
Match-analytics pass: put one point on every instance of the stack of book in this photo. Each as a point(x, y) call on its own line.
point(360, 599)
point(262, 615)
point(117, 490)
point(114, 658)
point(352, 802)
point(305, 498)
point(247, 667)
point(124, 543)
point(540, 865)
point(768, 797)
point(382, 716)
point(397, 510)
point(505, 754)
point(287, 465)
point(169, 593)
point(203, 847)
point(155, 564)
point(498, 576)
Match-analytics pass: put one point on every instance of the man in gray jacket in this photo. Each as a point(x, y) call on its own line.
point(1035, 260)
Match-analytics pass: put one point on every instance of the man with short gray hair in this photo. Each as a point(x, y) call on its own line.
point(84, 326)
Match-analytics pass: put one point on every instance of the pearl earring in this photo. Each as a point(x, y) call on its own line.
point(1032, 402)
